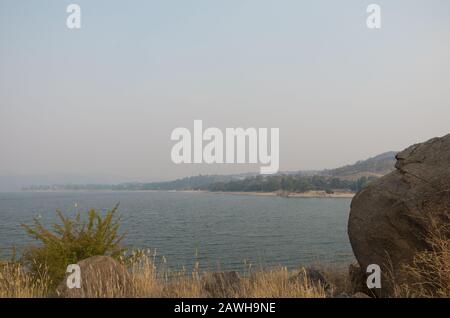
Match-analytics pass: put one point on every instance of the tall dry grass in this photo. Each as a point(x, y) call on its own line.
point(270, 283)
point(150, 282)
point(15, 282)
point(278, 283)
point(428, 275)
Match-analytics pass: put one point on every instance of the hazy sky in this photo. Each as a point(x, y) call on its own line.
point(104, 100)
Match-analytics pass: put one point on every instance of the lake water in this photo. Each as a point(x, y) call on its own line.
point(217, 230)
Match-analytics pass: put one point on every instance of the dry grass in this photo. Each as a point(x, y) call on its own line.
point(150, 282)
point(339, 280)
point(428, 275)
point(271, 283)
point(276, 283)
point(16, 283)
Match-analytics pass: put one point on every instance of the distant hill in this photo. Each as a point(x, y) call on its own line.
point(373, 167)
point(351, 177)
point(188, 183)
point(348, 178)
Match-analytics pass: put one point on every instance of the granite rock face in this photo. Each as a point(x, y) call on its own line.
point(389, 218)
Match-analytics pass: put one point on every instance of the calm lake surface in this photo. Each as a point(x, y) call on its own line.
point(217, 230)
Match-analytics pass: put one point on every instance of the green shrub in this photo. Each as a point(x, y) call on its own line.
point(72, 241)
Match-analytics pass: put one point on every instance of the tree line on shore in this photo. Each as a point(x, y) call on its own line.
point(260, 183)
point(291, 183)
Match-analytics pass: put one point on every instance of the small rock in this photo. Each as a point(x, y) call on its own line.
point(222, 284)
point(357, 279)
point(101, 276)
point(312, 276)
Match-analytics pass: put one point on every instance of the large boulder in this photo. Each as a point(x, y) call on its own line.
point(101, 276)
point(388, 218)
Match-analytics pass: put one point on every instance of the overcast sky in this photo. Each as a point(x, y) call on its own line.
point(104, 100)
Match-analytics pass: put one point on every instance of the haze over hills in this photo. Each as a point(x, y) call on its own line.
point(18, 182)
point(346, 177)
point(377, 166)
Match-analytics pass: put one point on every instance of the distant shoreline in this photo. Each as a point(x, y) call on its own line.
point(308, 194)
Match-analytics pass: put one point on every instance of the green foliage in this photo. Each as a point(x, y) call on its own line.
point(292, 183)
point(72, 241)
